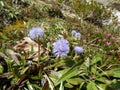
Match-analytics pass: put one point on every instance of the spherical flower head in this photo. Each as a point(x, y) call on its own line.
point(35, 32)
point(78, 49)
point(75, 34)
point(61, 48)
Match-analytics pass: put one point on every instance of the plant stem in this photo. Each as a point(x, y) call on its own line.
point(38, 51)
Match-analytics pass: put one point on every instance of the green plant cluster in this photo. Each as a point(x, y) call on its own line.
point(8, 13)
point(93, 12)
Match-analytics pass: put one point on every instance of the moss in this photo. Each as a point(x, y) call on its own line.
point(17, 25)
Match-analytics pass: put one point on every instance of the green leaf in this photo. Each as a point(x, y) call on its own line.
point(24, 70)
point(102, 86)
point(68, 85)
point(96, 59)
point(51, 85)
point(61, 86)
point(68, 73)
point(1, 69)
point(35, 77)
point(29, 86)
point(115, 85)
point(36, 87)
point(2, 3)
point(114, 72)
point(103, 80)
point(4, 37)
point(94, 69)
point(81, 85)
point(74, 81)
point(91, 86)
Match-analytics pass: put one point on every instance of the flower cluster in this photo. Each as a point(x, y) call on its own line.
point(75, 34)
point(108, 40)
point(61, 48)
point(35, 32)
point(78, 49)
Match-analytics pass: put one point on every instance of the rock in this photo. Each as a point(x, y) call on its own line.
point(104, 2)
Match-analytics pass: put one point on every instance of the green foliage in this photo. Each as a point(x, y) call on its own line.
point(93, 12)
point(113, 86)
point(68, 73)
point(114, 72)
point(92, 86)
point(9, 13)
point(1, 69)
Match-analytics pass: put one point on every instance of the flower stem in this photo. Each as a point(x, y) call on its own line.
point(38, 50)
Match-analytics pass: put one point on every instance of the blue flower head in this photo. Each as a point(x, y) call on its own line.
point(61, 48)
point(35, 32)
point(75, 34)
point(78, 49)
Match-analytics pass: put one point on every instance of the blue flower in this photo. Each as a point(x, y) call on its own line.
point(78, 49)
point(75, 34)
point(35, 32)
point(61, 48)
